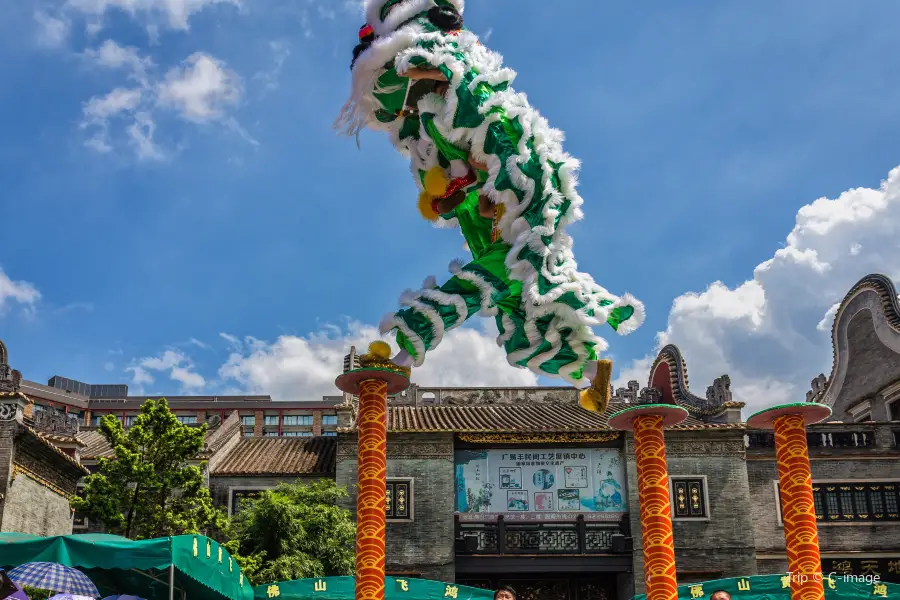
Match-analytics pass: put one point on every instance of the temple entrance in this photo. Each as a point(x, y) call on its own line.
point(555, 586)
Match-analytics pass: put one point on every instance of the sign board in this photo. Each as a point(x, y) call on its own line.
point(541, 483)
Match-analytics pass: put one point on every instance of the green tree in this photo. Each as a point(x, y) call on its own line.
point(154, 486)
point(295, 531)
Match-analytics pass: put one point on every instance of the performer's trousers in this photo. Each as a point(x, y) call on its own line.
point(521, 340)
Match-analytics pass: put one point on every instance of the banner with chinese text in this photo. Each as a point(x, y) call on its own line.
point(778, 587)
point(541, 483)
point(343, 588)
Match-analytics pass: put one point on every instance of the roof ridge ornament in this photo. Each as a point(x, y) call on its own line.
point(10, 379)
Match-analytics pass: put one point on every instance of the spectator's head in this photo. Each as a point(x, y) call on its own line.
point(506, 593)
point(720, 595)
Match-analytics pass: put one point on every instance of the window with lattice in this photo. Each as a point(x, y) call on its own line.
point(689, 498)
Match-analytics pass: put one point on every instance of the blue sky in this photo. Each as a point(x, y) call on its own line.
point(703, 129)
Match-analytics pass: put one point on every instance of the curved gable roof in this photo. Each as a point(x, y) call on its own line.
point(669, 375)
point(865, 340)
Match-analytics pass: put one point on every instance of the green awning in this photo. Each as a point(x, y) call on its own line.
point(342, 588)
point(777, 587)
point(203, 569)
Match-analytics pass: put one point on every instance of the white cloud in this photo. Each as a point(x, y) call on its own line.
point(52, 32)
point(174, 13)
point(188, 379)
point(140, 135)
point(117, 101)
point(176, 364)
point(487, 34)
point(113, 56)
point(20, 292)
point(304, 368)
point(772, 333)
point(231, 339)
point(200, 89)
point(198, 343)
point(281, 50)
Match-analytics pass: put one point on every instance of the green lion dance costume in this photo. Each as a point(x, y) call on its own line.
point(486, 161)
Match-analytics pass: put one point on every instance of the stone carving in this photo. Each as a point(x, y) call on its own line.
point(10, 379)
point(488, 397)
point(8, 411)
point(817, 387)
point(404, 450)
point(51, 421)
point(650, 395)
point(414, 450)
point(720, 391)
point(698, 447)
point(627, 395)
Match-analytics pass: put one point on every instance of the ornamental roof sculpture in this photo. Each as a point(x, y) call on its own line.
point(865, 337)
point(669, 377)
point(10, 379)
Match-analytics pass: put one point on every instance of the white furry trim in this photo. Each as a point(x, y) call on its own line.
point(485, 289)
point(459, 168)
point(400, 13)
point(456, 266)
point(358, 112)
point(431, 104)
point(412, 300)
point(391, 322)
point(458, 304)
point(441, 223)
point(636, 319)
point(509, 329)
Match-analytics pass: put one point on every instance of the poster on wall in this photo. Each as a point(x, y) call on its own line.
point(541, 484)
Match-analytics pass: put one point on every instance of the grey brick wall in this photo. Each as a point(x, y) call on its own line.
point(44, 462)
point(878, 464)
point(219, 487)
point(724, 543)
point(32, 508)
point(424, 546)
point(7, 433)
point(27, 505)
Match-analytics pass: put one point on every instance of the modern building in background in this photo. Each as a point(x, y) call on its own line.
point(520, 486)
point(259, 415)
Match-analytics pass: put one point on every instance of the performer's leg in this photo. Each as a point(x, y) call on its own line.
point(474, 288)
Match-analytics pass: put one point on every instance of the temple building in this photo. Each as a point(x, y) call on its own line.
point(39, 462)
point(521, 486)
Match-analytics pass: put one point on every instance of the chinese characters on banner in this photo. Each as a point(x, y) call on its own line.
point(886, 569)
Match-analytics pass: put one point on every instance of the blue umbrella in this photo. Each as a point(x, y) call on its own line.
point(122, 597)
point(54, 577)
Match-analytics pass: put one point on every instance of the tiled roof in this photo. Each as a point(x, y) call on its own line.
point(44, 441)
point(95, 445)
point(61, 438)
point(535, 417)
point(218, 437)
point(280, 457)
